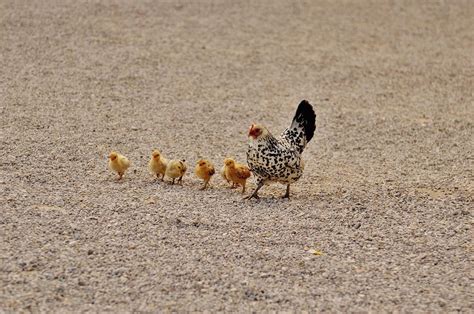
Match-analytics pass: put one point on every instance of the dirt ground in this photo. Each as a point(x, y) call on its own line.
point(380, 221)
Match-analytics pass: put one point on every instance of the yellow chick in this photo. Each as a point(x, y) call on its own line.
point(224, 176)
point(118, 163)
point(157, 164)
point(237, 173)
point(204, 170)
point(175, 169)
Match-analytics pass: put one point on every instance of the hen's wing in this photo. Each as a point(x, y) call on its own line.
point(273, 158)
point(302, 127)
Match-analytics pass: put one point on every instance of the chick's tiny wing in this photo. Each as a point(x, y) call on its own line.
point(243, 172)
point(125, 162)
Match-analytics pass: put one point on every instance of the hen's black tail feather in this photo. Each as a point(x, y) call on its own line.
point(305, 115)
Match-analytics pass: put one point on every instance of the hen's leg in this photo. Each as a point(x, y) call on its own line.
point(255, 192)
point(287, 194)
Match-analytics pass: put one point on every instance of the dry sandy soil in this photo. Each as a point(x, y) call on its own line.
point(387, 192)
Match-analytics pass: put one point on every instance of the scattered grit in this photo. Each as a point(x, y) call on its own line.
point(381, 219)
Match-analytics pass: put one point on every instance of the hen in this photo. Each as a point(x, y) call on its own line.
point(278, 159)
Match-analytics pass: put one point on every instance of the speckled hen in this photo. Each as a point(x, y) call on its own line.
point(273, 159)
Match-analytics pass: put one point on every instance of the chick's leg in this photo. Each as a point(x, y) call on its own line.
point(255, 192)
point(204, 186)
point(287, 194)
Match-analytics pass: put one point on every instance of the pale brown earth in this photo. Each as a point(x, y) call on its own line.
point(387, 193)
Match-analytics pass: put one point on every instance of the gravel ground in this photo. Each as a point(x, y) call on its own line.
point(387, 192)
